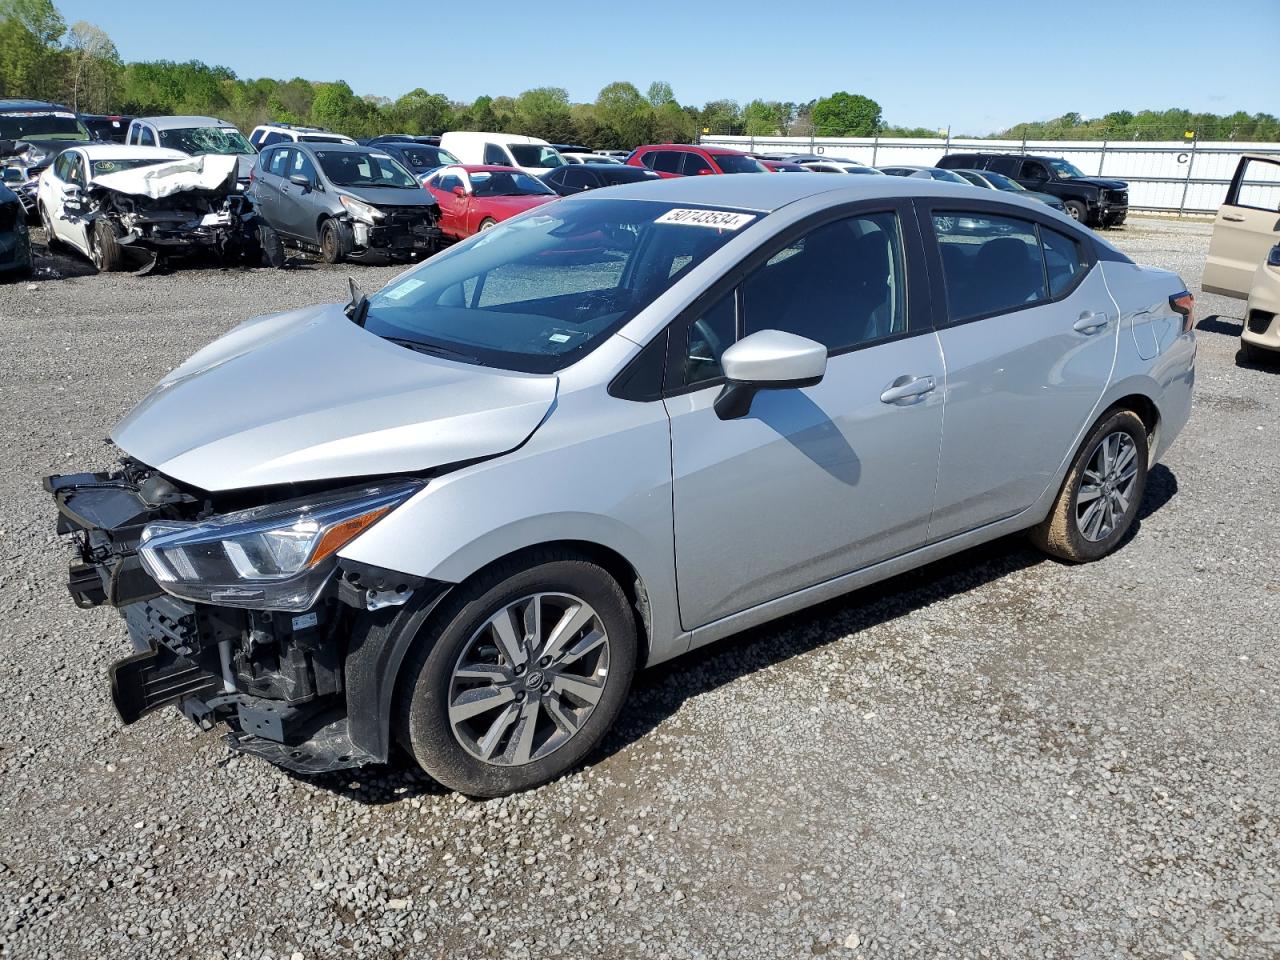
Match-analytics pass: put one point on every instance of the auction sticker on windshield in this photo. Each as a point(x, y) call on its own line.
point(716, 219)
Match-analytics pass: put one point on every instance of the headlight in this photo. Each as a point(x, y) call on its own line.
point(1273, 257)
point(361, 210)
point(276, 557)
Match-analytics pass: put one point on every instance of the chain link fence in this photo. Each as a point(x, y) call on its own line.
point(1187, 176)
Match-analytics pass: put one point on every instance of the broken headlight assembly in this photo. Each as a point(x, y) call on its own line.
point(359, 210)
point(274, 557)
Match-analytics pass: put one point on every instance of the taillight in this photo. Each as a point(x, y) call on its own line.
point(1185, 304)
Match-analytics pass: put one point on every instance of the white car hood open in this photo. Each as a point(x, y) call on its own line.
point(308, 395)
point(209, 172)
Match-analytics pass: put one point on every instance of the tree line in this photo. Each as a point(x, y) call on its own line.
point(44, 58)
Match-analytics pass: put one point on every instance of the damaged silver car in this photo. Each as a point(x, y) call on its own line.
point(127, 207)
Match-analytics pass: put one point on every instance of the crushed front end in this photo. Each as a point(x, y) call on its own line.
point(239, 610)
point(395, 232)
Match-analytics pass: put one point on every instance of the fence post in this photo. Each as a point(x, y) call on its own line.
point(875, 148)
point(1103, 158)
point(947, 147)
point(1024, 141)
point(1186, 183)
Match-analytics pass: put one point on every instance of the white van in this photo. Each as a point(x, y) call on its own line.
point(529, 154)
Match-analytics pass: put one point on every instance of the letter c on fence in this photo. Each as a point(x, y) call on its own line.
point(1182, 158)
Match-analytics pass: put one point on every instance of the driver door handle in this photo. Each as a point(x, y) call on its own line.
point(907, 388)
point(1231, 218)
point(1091, 322)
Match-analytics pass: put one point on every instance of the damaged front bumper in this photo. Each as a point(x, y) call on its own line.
point(309, 691)
point(399, 235)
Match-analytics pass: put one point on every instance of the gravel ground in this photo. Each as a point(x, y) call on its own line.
point(998, 755)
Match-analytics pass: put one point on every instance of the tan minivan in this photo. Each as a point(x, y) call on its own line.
point(1244, 253)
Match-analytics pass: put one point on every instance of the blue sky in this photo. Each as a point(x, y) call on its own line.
point(977, 67)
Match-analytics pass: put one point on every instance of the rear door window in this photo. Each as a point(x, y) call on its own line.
point(990, 264)
point(280, 161)
point(1006, 165)
point(667, 161)
point(145, 137)
point(495, 156)
point(695, 164)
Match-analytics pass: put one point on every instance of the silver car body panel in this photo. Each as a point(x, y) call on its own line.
point(816, 492)
point(308, 395)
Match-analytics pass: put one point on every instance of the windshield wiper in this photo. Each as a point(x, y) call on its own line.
point(432, 349)
point(358, 307)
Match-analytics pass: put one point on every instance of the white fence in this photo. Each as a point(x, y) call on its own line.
point(1170, 177)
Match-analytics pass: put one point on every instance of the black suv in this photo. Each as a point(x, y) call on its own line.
point(1091, 200)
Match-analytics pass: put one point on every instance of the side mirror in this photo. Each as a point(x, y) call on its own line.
point(704, 172)
point(70, 191)
point(459, 192)
point(298, 180)
point(767, 360)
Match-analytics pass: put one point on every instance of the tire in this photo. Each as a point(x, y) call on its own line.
point(1252, 354)
point(1077, 210)
point(108, 255)
point(272, 248)
point(50, 238)
point(533, 696)
point(335, 241)
point(1082, 531)
point(488, 223)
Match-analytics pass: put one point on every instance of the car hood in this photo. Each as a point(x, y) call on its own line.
point(390, 196)
point(1100, 182)
point(1048, 198)
point(308, 395)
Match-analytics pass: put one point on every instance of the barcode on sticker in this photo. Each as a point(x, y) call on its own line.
point(716, 219)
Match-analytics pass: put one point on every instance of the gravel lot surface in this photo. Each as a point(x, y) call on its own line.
point(998, 755)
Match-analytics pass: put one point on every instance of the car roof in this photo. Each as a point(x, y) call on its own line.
point(16, 104)
point(476, 168)
point(120, 151)
point(766, 193)
point(339, 146)
point(494, 137)
point(170, 123)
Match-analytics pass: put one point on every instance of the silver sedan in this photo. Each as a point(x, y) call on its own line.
point(462, 512)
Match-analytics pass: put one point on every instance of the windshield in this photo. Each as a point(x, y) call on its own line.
point(320, 138)
point(42, 126)
point(514, 184)
point(199, 141)
point(1001, 182)
point(425, 158)
point(349, 168)
point(732, 163)
point(1063, 170)
point(115, 165)
point(535, 155)
point(946, 176)
point(540, 291)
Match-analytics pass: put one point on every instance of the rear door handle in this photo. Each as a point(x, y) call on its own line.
point(1091, 322)
point(1232, 219)
point(906, 388)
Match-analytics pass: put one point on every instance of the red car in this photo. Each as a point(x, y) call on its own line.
point(685, 160)
point(784, 166)
point(474, 197)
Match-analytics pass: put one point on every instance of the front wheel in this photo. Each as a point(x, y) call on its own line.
point(108, 255)
point(488, 223)
point(1077, 211)
point(518, 675)
point(1100, 496)
point(335, 241)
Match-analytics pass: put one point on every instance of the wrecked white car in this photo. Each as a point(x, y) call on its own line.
point(129, 207)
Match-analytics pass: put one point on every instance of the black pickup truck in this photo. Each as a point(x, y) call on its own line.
point(1095, 201)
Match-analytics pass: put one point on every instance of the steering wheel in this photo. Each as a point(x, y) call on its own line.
point(712, 340)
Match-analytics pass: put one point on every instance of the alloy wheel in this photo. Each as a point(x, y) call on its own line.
point(1106, 486)
point(528, 679)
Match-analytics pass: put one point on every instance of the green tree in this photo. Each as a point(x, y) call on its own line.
point(846, 115)
point(672, 124)
point(659, 94)
point(544, 112)
point(31, 65)
point(96, 71)
point(419, 112)
point(722, 117)
point(765, 118)
point(626, 118)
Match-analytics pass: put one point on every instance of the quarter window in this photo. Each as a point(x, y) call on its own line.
point(843, 284)
point(1063, 260)
point(990, 264)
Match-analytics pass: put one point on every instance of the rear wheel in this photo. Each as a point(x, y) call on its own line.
point(335, 241)
point(108, 255)
point(1101, 494)
point(1077, 210)
point(518, 675)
